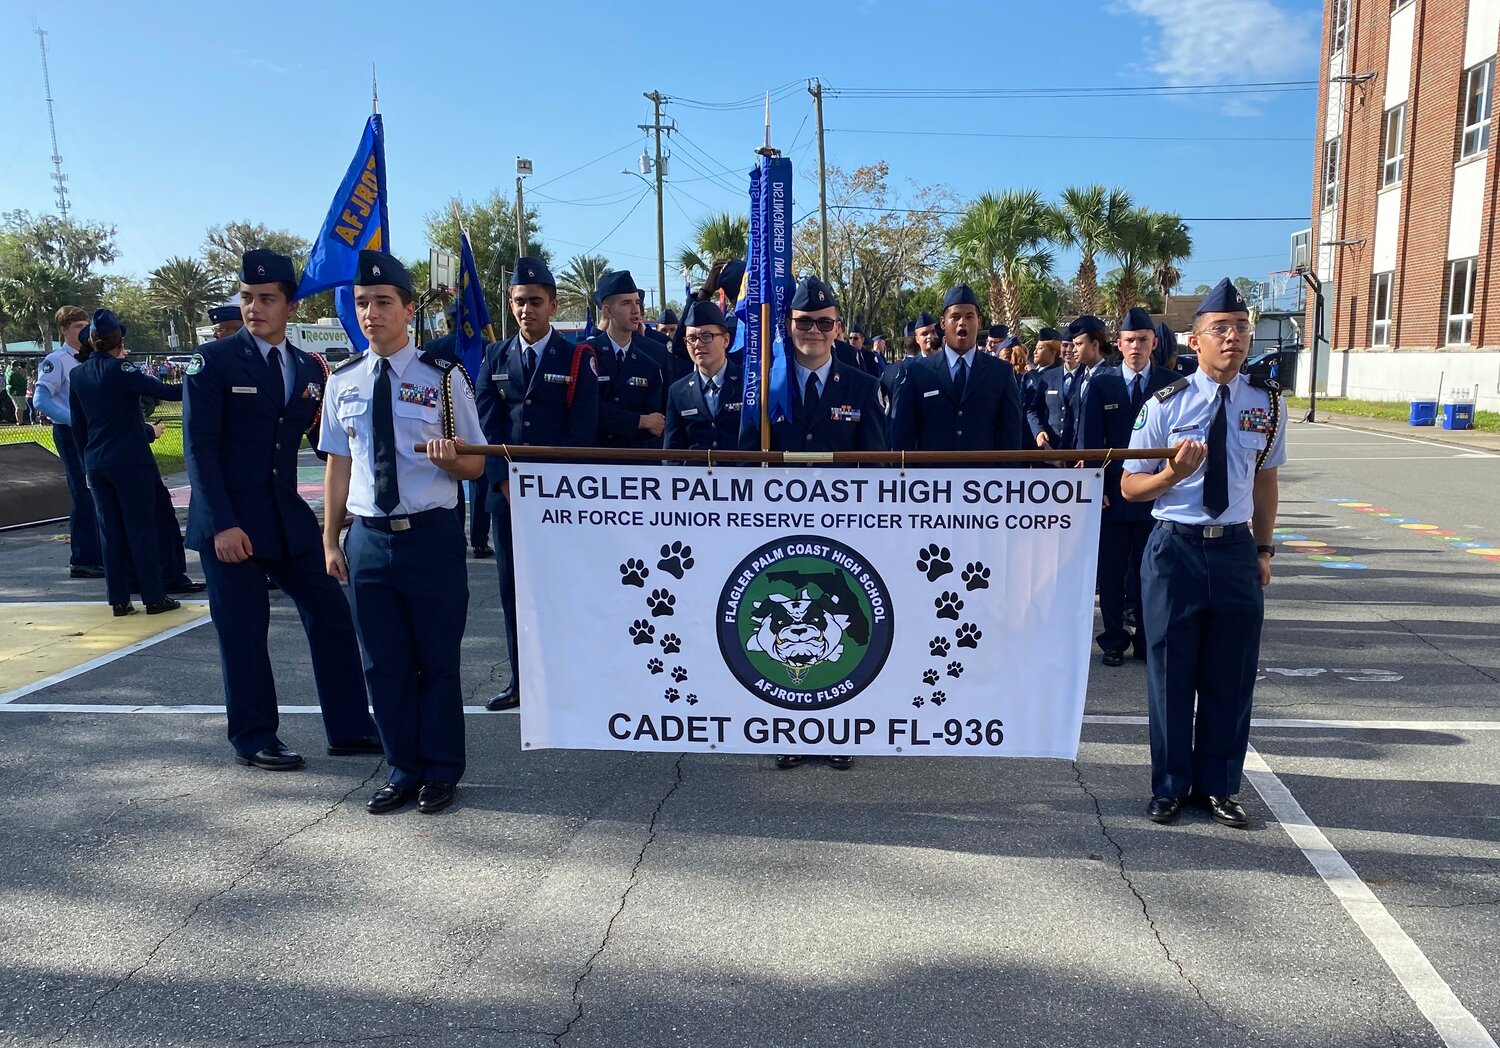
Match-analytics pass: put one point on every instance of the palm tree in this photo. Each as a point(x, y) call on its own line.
point(578, 282)
point(716, 238)
point(1089, 218)
point(1004, 236)
point(33, 290)
point(1171, 243)
point(185, 285)
point(1132, 249)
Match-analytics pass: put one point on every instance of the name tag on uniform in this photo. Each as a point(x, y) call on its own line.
point(639, 380)
point(1110, 407)
point(605, 378)
point(411, 393)
point(1194, 428)
point(557, 378)
point(931, 393)
point(1054, 392)
point(244, 389)
point(845, 413)
point(689, 412)
point(1255, 420)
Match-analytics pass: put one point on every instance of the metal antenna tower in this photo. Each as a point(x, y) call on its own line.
point(58, 178)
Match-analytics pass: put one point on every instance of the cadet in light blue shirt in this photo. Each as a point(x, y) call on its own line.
point(1207, 561)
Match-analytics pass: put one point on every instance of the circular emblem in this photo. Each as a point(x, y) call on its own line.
point(805, 623)
point(195, 365)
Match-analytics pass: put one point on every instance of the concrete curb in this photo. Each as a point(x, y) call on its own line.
point(1466, 438)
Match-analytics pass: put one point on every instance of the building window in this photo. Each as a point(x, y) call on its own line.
point(1397, 5)
point(1394, 147)
point(1330, 172)
point(1461, 300)
point(1478, 101)
point(1380, 300)
point(1340, 25)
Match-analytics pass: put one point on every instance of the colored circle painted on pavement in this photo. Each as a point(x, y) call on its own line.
point(1355, 505)
point(1289, 537)
point(1484, 551)
point(1346, 566)
point(1402, 520)
point(1470, 545)
point(1420, 527)
point(1331, 559)
point(1305, 544)
point(1440, 534)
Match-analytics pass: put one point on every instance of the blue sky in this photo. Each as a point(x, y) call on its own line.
point(191, 114)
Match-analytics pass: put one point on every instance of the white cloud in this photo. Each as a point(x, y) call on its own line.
point(1224, 41)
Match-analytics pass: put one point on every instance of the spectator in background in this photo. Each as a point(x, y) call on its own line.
point(15, 388)
point(30, 394)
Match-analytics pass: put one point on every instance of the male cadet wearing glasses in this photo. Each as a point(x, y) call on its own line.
point(1115, 398)
point(958, 399)
point(632, 369)
point(834, 405)
point(703, 409)
point(1207, 560)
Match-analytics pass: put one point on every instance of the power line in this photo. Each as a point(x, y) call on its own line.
point(1268, 87)
point(944, 211)
point(644, 194)
point(1302, 139)
point(605, 200)
point(750, 102)
point(580, 167)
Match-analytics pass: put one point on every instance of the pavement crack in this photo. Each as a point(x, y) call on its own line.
point(256, 860)
point(142, 801)
point(378, 1038)
point(1145, 909)
point(640, 859)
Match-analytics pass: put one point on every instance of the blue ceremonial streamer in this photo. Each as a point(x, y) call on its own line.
point(357, 219)
point(776, 203)
point(750, 411)
point(473, 315)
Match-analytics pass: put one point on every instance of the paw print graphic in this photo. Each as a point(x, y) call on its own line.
point(671, 644)
point(939, 647)
point(671, 695)
point(918, 702)
point(655, 666)
point(642, 632)
point(661, 603)
point(976, 577)
point(948, 605)
point(633, 573)
point(939, 697)
point(676, 559)
point(691, 700)
point(968, 635)
point(934, 561)
point(679, 674)
point(930, 677)
point(955, 670)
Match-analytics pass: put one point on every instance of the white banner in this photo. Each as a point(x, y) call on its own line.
point(801, 610)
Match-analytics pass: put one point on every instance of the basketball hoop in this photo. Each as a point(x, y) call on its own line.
point(1281, 281)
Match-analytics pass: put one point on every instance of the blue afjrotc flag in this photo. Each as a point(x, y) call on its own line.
point(473, 316)
point(357, 220)
point(589, 330)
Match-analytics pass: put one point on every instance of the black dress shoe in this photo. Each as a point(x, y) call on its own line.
point(839, 761)
point(435, 796)
point(389, 797)
point(1164, 809)
point(122, 610)
point(184, 586)
point(85, 571)
point(1226, 811)
point(1114, 658)
point(274, 757)
point(167, 604)
point(789, 760)
point(508, 699)
point(482, 552)
point(349, 747)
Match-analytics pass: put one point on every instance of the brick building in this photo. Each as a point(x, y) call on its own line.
point(1406, 200)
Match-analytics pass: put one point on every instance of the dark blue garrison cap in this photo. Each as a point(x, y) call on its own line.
point(1088, 324)
point(262, 266)
point(378, 268)
point(999, 331)
point(911, 328)
point(1009, 342)
point(1166, 342)
point(1224, 298)
point(962, 295)
point(617, 283)
point(703, 314)
point(105, 324)
point(856, 330)
point(1049, 335)
point(532, 271)
point(224, 314)
point(812, 295)
point(1137, 319)
point(667, 317)
point(924, 319)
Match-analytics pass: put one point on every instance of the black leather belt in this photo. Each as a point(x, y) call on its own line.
point(1206, 531)
point(409, 521)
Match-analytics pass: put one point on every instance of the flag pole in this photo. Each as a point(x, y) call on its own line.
point(767, 343)
point(374, 91)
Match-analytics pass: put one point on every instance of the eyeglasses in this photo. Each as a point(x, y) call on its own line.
point(1222, 330)
point(806, 324)
point(702, 340)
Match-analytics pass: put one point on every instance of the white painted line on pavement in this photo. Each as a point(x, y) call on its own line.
point(1409, 440)
point(103, 660)
point(89, 707)
point(1390, 458)
point(1428, 990)
point(1352, 725)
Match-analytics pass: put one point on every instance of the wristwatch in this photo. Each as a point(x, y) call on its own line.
point(1269, 551)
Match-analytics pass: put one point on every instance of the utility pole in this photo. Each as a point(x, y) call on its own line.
point(657, 100)
point(816, 90)
point(523, 168)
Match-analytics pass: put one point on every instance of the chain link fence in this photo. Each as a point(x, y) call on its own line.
point(167, 447)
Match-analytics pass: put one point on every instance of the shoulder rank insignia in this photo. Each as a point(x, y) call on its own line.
point(1265, 382)
point(353, 359)
point(441, 363)
point(1175, 388)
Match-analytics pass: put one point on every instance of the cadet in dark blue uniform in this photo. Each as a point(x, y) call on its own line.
point(703, 409)
point(536, 387)
point(1208, 560)
point(959, 399)
point(632, 370)
point(405, 559)
point(1042, 395)
point(226, 320)
point(104, 399)
point(1089, 338)
point(995, 338)
point(834, 407)
point(666, 323)
point(86, 558)
point(250, 398)
point(1115, 399)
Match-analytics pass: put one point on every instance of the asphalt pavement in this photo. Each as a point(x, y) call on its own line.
point(153, 893)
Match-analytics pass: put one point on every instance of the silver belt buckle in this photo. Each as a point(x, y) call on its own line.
point(402, 524)
point(1213, 531)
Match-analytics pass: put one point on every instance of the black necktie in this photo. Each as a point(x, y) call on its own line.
point(528, 365)
point(383, 423)
point(809, 400)
point(960, 378)
point(1216, 475)
point(1137, 394)
point(273, 359)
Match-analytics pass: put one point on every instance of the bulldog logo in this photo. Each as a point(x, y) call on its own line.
point(805, 623)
